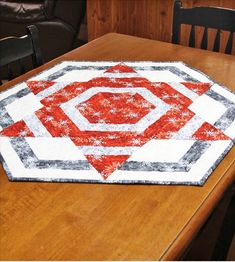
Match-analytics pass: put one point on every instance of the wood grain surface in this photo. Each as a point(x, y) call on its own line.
point(72, 221)
point(146, 18)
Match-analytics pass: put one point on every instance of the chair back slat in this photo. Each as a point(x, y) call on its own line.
point(229, 46)
point(9, 72)
point(22, 67)
point(217, 42)
point(222, 19)
point(192, 37)
point(204, 39)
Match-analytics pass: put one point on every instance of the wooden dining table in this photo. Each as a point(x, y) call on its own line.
point(81, 221)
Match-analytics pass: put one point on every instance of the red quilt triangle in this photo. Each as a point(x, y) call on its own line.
point(120, 68)
point(209, 132)
point(106, 165)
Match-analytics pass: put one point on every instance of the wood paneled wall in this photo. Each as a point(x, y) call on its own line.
point(144, 18)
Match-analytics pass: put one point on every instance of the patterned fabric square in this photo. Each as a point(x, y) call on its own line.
point(116, 122)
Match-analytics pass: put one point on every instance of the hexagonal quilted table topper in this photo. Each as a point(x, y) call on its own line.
point(116, 122)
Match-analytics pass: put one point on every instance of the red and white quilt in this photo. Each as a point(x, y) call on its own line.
point(116, 122)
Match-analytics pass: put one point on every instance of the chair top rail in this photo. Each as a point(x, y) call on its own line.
point(210, 17)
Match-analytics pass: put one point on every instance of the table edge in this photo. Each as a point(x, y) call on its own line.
point(193, 226)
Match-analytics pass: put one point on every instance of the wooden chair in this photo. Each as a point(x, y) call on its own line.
point(207, 17)
point(17, 48)
point(227, 231)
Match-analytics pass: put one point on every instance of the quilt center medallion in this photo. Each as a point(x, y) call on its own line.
point(115, 108)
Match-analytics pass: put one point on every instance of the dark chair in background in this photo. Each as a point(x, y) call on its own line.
point(227, 232)
point(207, 17)
point(17, 48)
point(58, 22)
